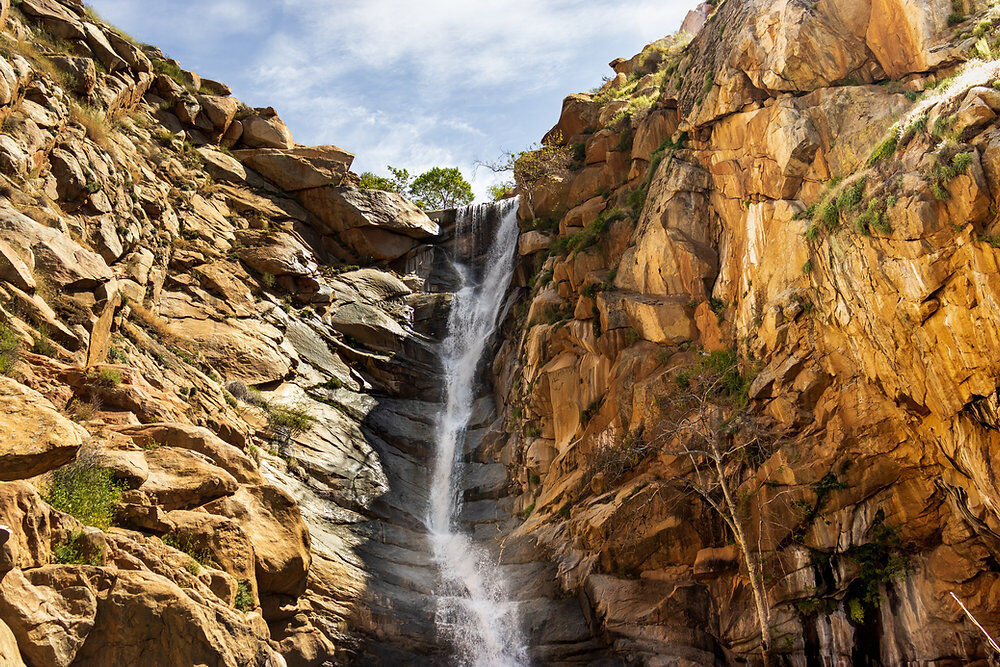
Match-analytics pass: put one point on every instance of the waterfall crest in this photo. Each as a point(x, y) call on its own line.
point(474, 612)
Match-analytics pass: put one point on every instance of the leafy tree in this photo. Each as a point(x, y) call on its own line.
point(500, 191)
point(441, 187)
point(399, 181)
point(534, 168)
point(437, 188)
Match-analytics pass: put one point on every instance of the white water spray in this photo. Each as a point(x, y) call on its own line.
point(474, 612)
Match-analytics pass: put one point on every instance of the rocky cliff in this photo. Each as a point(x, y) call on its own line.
point(756, 384)
point(744, 395)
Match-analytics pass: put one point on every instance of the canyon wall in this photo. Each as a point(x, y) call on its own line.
point(744, 392)
point(772, 247)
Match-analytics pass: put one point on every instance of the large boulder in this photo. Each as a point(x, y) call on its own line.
point(274, 525)
point(221, 166)
point(10, 655)
point(14, 270)
point(145, 619)
point(265, 130)
point(31, 522)
point(275, 253)
point(56, 18)
point(341, 209)
point(300, 168)
point(370, 326)
point(375, 224)
point(220, 110)
point(579, 113)
point(180, 478)
point(51, 620)
point(60, 258)
point(34, 437)
point(223, 538)
point(105, 53)
point(239, 349)
point(198, 439)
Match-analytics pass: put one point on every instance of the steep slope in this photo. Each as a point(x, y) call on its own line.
point(181, 303)
point(759, 356)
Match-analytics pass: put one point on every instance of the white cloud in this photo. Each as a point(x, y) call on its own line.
point(404, 82)
point(474, 44)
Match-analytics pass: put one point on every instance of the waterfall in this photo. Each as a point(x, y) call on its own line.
point(474, 612)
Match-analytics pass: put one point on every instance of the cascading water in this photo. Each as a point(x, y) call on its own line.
point(474, 612)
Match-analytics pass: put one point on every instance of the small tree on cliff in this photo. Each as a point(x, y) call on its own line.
point(535, 167)
point(707, 423)
point(436, 188)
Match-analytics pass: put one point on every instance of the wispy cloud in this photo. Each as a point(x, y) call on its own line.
point(399, 82)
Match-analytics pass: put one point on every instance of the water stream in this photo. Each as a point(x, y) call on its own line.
point(474, 612)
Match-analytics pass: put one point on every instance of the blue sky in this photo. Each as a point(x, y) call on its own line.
point(411, 84)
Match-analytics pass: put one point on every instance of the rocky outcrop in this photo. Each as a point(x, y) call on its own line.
point(823, 239)
point(300, 168)
point(34, 437)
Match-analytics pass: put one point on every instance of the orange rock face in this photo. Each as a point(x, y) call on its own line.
point(852, 276)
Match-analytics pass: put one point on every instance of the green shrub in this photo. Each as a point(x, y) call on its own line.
point(879, 562)
point(812, 233)
point(72, 551)
point(41, 343)
point(941, 126)
point(961, 162)
point(830, 215)
point(884, 149)
point(10, 349)
point(955, 18)
point(109, 377)
point(201, 555)
point(851, 196)
point(85, 491)
point(881, 224)
point(592, 233)
point(244, 596)
point(294, 419)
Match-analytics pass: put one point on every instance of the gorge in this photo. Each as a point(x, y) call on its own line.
point(717, 385)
